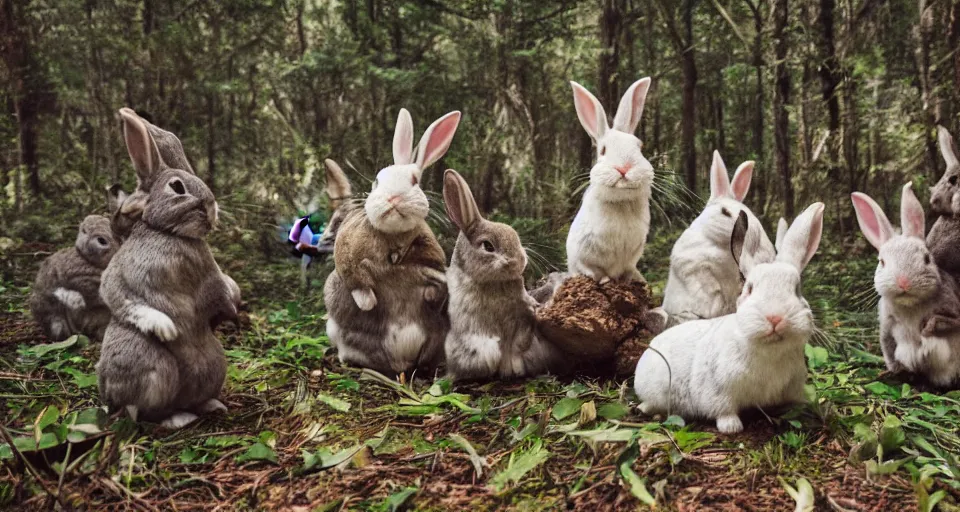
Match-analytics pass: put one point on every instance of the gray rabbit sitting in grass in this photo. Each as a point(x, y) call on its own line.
point(66, 294)
point(160, 359)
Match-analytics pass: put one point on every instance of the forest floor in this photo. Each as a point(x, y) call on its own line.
point(305, 433)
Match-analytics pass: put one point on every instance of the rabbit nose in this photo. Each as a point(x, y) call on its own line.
point(903, 283)
point(624, 169)
point(394, 199)
point(775, 321)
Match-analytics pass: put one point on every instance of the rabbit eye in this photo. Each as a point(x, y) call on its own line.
point(726, 212)
point(101, 240)
point(487, 246)
point(177, 187)
point(953, 180)
point(882, 264)
point(749, 288)
point(926, 259)
point(603, 150)
point(414, 180)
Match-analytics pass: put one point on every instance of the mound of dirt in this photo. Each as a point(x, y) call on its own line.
point(600, 323)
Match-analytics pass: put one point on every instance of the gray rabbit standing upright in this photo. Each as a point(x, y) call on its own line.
point(66, 294)
point(944, 237)
point(160, 359)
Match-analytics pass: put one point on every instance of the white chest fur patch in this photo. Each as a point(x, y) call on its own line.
point(70, 298)
point(404, 343)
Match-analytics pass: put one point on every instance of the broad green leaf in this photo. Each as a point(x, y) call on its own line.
point(48, 416)
point(816, 356)
point(612, 411)
point(565, 408)
point(397, 500)
point(638, 486)
point(334, 402)
point(520, 465)
point(258, 451)
point(891, 434)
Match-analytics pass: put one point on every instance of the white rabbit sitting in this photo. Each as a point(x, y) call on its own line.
point(704, 280)
point(919, 308)
point(609, 233)
point(752, 358)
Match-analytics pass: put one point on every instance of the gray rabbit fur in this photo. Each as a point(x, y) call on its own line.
point(493, 332)
point(944, 237)
point(160, 359)
point(66, 294)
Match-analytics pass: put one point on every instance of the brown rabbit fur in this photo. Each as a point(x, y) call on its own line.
point(944, 237)
point(160, 359)
point(66, 294)
point(415, 261)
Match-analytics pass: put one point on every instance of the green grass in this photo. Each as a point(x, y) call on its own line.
point(303, 431)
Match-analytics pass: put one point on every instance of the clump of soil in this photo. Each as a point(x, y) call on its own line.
point(597, 324)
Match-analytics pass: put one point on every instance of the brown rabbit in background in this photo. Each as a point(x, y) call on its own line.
point(66, 294)
point(160, 359)
point(944, 237)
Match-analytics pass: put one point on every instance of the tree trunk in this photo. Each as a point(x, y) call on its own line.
point(29, 85)
point(829, 67)
point(610, 28)
point(931, 106)
point(760, 189)
point(781, 98)
point(688, 124)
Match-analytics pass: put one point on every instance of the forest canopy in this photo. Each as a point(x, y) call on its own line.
point(827, 96)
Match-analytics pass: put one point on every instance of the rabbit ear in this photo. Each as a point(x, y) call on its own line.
point(912, 218)
point(403, 139)
point(947, 149)
point(140, 145)
point(719, 181)
point(782, 228)
point(738, 239)
point(873, 222)
point(115, 197)
point(631, 106)
point(436, 140)
point(338, 186)
point(589, 111)
point(741, 180)
point(803, 238)
point(459, 202)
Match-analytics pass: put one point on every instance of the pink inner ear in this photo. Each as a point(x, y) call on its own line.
point(586, 110)
point(440, 139)
point(741, 182)
point(869, 222)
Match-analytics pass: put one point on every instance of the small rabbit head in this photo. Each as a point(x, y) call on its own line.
point(96, 242)
point(906, 273)
point(945, 195)
point(725, 205)
point(487, 251)
point(397, 203)
point(339, 192)
point(171, 200)
point(621, 168)
point(771, 307)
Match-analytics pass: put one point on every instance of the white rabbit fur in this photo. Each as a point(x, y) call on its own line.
point(721, 366)
point(608, 235)
point(704, 281)
point(913, 290)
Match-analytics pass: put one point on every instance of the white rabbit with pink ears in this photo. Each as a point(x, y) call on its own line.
point(609, 233)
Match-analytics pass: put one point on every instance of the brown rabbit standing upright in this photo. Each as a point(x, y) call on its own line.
point(944, 237)
point(386, 297)
point(65, 299)
point(160, 359)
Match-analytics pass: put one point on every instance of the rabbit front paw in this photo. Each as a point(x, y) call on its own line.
point(70, 298)
point(729, 424)
point(365, 299)
point(152, 321)
point(212, 405)
point(179, 420)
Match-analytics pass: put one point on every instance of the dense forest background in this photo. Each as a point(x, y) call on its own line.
point(828, 96)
